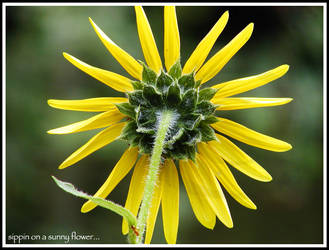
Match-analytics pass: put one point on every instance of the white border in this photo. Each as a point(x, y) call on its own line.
point(162, 4)
point(323, 4)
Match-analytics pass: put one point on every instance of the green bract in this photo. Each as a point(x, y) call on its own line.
point(169, 91)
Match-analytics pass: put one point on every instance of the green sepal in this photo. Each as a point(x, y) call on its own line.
point(135, 142)
point(145, 144)
point(127, 109)
point(178, 152)
point(205, 108)
point(189, 101)
point(197, 84)
point(207, 94)
point(211, 119)
point(173, 96)
point(163, 82)
point(190, 152)
point(192, 137)
point(190, 121)
point(153, 97)
point(182, 152)
point(137, 85)
point(148, 75)
point(136, 98)
point(187, 81)
point(176, 70)
point(174, 136)
point(145, 116)
point(146, 120)
point(207, 132)
point(129, 132)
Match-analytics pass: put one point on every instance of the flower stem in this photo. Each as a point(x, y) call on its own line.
point(165, 120)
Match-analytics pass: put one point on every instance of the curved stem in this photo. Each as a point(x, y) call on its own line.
point(165, 120)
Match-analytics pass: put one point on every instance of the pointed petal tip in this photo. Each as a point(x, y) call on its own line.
point(229, 224)
point(63, 165)
point(50, 101)
point(267, 178)
point(66, 55)
point(284, 68)
point(287, 147)
point(85, 207)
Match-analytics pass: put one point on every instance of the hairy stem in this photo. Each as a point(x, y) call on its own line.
point(165, 120)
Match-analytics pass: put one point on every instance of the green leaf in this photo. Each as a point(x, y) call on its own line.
point(207, 94)
point(127, 109)
point(148, 75)
point(173, 95)
point(116, 208)
point(176, 70)
point(187, 81)
point(164, 81)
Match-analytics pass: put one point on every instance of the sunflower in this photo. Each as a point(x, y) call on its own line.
point(195, 140)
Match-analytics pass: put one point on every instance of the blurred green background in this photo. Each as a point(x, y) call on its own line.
point(290, 208)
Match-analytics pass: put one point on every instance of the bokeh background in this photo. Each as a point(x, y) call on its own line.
point(290, 208)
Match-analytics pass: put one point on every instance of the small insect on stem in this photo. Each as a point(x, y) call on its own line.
point(135, 230)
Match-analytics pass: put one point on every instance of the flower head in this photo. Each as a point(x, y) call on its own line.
point(196, 139)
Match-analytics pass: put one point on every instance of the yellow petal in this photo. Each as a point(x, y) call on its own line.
point(98, 121)
point(213, 193)
point(120, 170)
point(201, 52)
point(248, 136)
point(239, 159)
point(199, 203)
point(153, 211)
point(98, 141)
point(234, 103)
point(171, 37)
point(126, 60)
point(218, 166)
point(218, 61)
point(136, 189)
point(147, 41)
point(91, 105)
point(241, 85)
point(170, 201)
point(115, 81)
